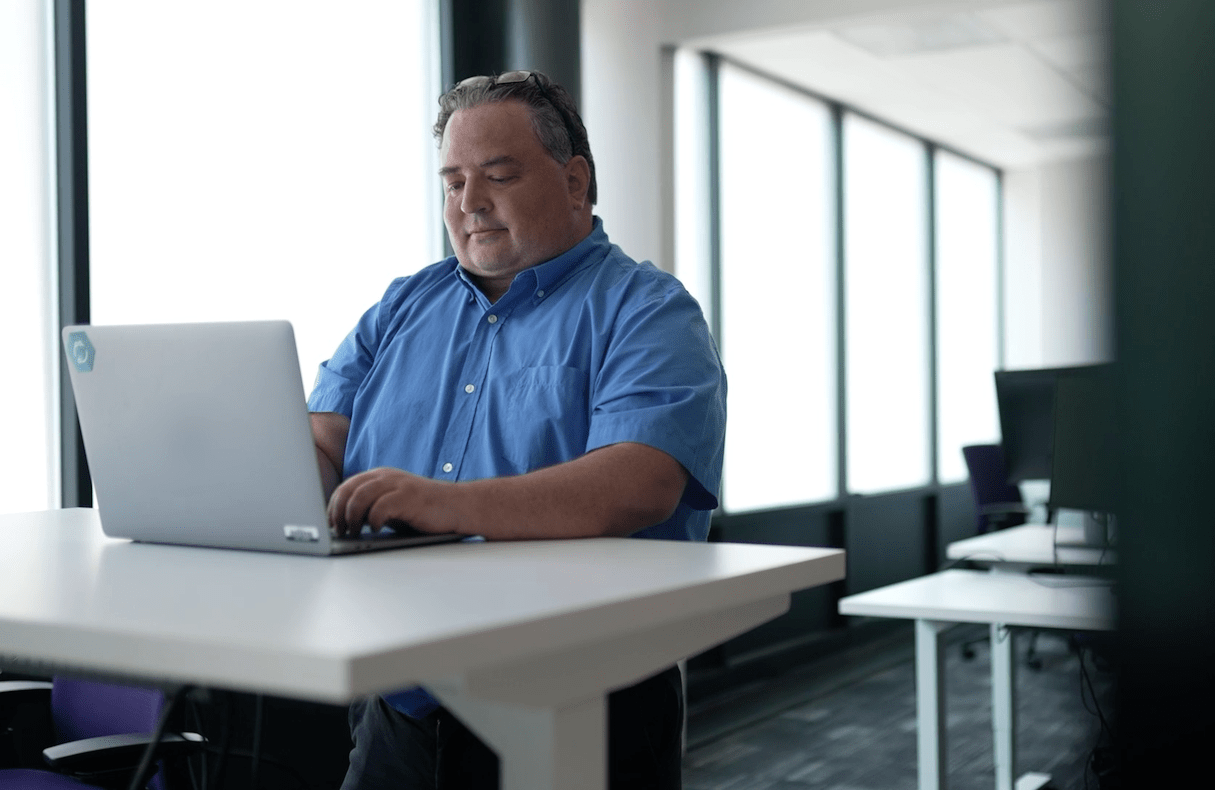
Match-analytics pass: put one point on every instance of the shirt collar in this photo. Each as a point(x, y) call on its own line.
point(543, 278)
point(548, 275)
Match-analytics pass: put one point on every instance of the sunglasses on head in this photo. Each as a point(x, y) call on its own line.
point(514, 78)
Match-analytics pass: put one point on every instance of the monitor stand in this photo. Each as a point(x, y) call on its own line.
point(1096, 529)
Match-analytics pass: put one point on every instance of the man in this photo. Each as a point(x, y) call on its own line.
point(539, 384)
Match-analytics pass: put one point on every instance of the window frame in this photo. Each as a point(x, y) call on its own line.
point(712, 62)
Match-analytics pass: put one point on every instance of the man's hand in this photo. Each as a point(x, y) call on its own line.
point(377, 498)
point(615, 490)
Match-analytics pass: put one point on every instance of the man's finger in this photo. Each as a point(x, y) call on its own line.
point(362, 495)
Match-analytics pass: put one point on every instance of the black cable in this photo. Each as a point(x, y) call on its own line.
point(1058, 580)
point(258, 702)
point(140, 777)
point(986, 555)
point(1097, 754)
point(225, 738)
point(192, 699)
point(1086, 681)
point(283, 766)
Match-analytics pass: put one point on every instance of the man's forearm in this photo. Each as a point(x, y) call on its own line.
point(614, 490)
point(330, 430)
point(329, 473)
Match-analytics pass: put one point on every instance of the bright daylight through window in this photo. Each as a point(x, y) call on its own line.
point(776, 284)
point(29, 343)
point(277, 168)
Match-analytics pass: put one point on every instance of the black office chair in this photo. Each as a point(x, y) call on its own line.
point(998, 505)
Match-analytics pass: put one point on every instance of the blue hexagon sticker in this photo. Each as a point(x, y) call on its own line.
point(81, 351)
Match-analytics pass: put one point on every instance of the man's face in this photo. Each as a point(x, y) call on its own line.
point(509, 205)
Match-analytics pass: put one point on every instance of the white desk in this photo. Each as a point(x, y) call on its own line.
point(1001, 599)
point(522, 640)
point(1031, 545)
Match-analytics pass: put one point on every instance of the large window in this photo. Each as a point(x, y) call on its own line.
point(886, 309)
point(777, 294)
point(29, 348)
point(967, 241)
point(260, 160)
point(852, 272)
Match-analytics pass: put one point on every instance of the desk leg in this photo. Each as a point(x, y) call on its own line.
point(546, 715)
point(1003, 707)
point(1004, 713)
point(930, 703)
point(559, 748)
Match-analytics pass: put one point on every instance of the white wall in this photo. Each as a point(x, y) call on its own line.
point(1058, 288)
point(1023, 269)
point(1077, 284)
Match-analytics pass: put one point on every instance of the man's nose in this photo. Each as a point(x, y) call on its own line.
point(475, 198)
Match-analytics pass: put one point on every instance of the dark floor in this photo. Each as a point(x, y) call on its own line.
point(849, 724)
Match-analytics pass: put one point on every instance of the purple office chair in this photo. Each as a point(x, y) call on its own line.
point(998, 503)
point(99, 732)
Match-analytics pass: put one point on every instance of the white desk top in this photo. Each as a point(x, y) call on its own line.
point(331, 629)
point(1031, 544)
point(965, 596)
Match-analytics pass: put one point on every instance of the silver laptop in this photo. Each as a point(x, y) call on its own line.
point(198, 434)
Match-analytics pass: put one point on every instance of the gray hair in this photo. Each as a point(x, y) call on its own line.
point(554, 114)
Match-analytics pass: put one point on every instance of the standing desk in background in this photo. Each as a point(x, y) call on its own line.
point(1001, 599)
point(522, 640)
point(1032, 545)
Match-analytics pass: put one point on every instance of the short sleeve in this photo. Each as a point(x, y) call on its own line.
point(662, 384)
point(338, 379)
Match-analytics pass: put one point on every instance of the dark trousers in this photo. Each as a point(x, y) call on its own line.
point(393, 751)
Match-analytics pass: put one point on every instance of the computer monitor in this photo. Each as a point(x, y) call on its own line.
point(1083, 472)
point(1026, 403)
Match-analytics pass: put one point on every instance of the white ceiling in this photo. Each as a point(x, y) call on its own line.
point(1014, 84)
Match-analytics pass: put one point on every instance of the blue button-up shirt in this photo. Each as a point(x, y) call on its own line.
point(586, 350)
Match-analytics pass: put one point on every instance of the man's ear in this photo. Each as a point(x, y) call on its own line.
point(578, 177)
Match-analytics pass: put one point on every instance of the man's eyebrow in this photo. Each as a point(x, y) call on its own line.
point(506, 159)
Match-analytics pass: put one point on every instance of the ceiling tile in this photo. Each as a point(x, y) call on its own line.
point(1005, 83)
point(1046, 18)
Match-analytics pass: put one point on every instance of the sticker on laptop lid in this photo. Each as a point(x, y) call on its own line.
point(302, 534)
point(80, 351)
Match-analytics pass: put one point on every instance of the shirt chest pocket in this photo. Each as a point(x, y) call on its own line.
point(544, 416)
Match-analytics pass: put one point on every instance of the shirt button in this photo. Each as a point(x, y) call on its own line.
point(469, 388)
point(447, 467)
point(540, 294)
point(493, 319)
